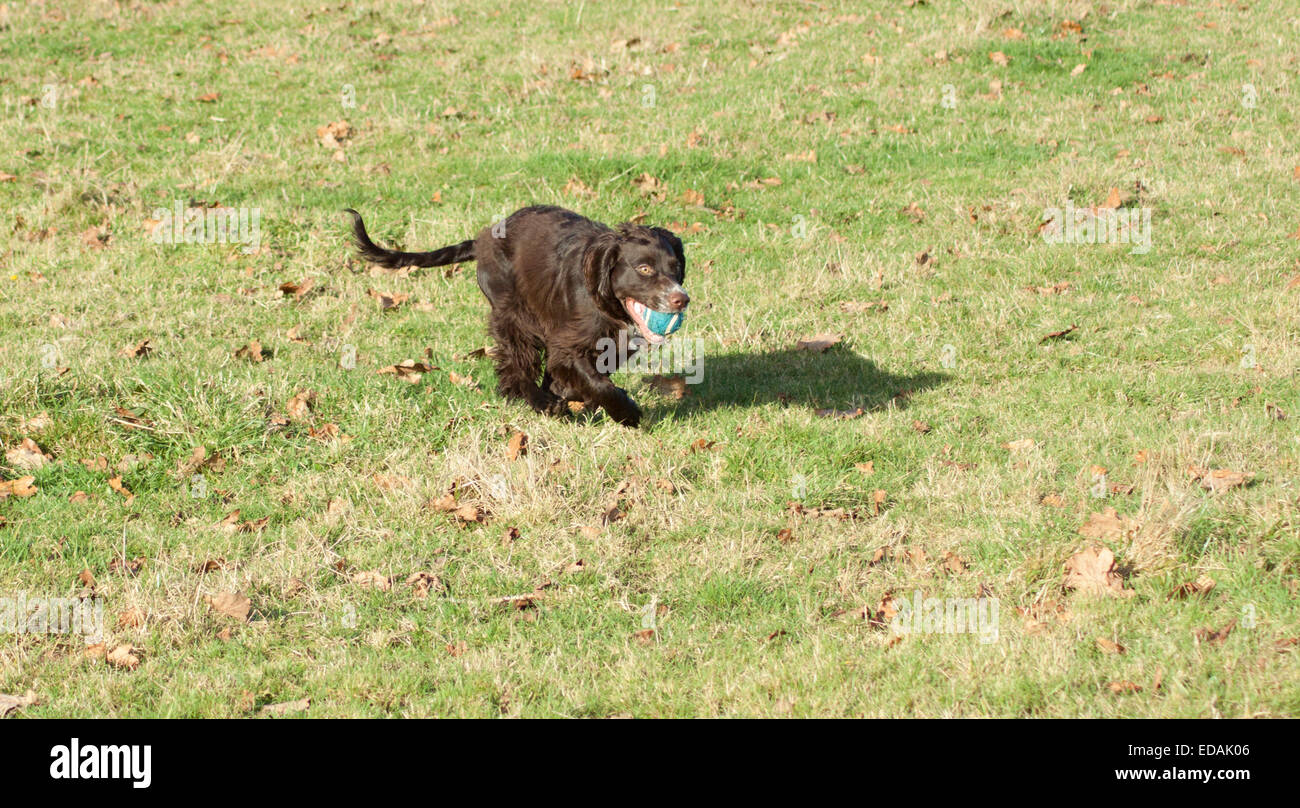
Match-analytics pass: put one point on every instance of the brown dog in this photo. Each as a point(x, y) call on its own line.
point(561, 287)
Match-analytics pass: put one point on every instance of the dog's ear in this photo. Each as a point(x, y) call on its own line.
point(676, 244)
point(598, 265)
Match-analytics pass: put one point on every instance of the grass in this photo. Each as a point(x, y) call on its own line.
point(690, 604)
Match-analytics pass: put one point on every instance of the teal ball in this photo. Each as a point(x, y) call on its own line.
point(664, 323)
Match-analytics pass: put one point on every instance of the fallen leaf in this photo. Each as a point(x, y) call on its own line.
point(1058, 334)
point(131, 618)
point(1093, 572)
point(1215, 637)
point(1108, 525)
point(123, 656)
point(517, 447)
point(252, 351)
point(388, 301)
point(409, 370)
point(12, 704)
point(1121, 687)
point(1020, 445)
point(297, 290)
point(231, 604)
point(285, 707)
point(21, 487)
point(299, 407)
point(1223, 479)
point(333, 135)
point(1201, 586)
point(115, 483)
point(373, 579)
point(673, 387)
point(999, 58)
point(142, 348)
point(819, 343)
point(1109, 646)
point(26, 456)
point(424, 583)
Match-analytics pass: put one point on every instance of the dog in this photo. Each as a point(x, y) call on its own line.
point(562, 287)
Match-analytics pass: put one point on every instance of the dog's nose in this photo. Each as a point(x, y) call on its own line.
point(678, 300)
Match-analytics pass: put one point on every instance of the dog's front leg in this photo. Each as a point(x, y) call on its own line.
point(596, 389)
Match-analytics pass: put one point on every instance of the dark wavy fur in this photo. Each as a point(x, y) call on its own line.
point(558, 283)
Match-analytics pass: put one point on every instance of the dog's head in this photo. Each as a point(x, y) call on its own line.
point(636, 268)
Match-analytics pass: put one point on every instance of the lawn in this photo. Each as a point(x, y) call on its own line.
point(908, 388)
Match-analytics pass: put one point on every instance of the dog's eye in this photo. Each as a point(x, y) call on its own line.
point(646, 269)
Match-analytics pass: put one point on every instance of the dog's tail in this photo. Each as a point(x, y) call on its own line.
point(392, 259)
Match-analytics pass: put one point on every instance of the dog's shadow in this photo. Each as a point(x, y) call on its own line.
point(837, 380)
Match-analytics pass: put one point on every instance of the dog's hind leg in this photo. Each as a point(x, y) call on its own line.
point(519, 364)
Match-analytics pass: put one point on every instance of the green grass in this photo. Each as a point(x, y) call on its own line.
point(465, 111)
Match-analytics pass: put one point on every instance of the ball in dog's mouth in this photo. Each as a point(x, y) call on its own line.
point(654, 325)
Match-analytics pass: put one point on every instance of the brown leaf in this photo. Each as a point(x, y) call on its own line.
point(785, 535)
point(142, 348)
point(1020, 445)
point(297, 290)
point(1213, 637)
point(645, 636)
point(373, 579)
point(387, 300)
point(115, 483)
point(819, 343)
point(21, 487)
point(12, 704)
point(252, 351)
point(409, 370)
point(284, 708)
point(1109, 646)
point(26, 456)
point(231, 604)
point(999, 58)
point(952, 563)
point(1108, 525)
point(1119, 688)
point(130, 566)
point(1093, 572)
point(1201, 586)
point(299, 407)
point(131, 618)
point(839, 415)
point(673, 387)
point(335, 134)
point(96, 237)
point(1058, 334)
point(517, 447)
point(858, 307)
point(123, 656)
point(1223, 479)
point(914, 212)
point(464, 381)
point(424, 583)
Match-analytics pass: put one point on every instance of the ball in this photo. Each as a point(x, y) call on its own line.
point(664, 323)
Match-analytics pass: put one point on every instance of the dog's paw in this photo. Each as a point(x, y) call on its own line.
point(624, 411)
